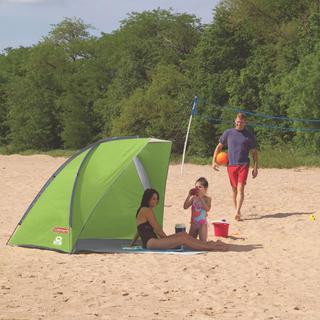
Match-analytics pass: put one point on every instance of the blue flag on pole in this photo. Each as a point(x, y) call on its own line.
point(194, 106)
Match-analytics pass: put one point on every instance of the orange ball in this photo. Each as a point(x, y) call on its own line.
point(222, 158)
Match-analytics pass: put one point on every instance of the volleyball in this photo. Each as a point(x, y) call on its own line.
point(222, 158)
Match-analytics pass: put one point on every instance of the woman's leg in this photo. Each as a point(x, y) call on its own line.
point(177, 235)
point(179, 239)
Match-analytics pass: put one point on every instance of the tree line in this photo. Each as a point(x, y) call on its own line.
point(72, 88)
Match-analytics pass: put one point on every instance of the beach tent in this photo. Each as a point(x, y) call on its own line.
point(90, 202)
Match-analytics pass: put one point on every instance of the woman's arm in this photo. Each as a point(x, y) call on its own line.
point(154, 223)
point(135, 238)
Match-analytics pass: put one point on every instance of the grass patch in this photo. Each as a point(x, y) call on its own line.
point(7, 150)
point(177, 159)
point(287, 157)
point(268, 157)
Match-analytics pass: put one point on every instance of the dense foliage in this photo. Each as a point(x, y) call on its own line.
point(258, 55)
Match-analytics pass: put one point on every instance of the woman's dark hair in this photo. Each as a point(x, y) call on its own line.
point(147, 195)
point(203, 181)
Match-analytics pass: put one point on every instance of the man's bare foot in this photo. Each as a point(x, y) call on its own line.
point(238, 216)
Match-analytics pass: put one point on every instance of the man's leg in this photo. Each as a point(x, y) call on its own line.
point(242, 179)
point(234, 196)
point(233, 172)
point(240, 199)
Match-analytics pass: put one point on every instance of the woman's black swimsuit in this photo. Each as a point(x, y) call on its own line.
point(146, 233)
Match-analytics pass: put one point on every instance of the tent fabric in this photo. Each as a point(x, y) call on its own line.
point(95, 195)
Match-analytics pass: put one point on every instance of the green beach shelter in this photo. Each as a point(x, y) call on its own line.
point(90, 202)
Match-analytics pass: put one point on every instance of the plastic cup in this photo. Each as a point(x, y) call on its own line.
point(180, 227)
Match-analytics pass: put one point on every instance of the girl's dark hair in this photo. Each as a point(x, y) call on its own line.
point(203, 181)
point(147, 195)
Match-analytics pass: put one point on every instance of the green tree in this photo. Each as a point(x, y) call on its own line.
point(131, 55)
point(34, 114)
point(31, 118)
point(302, 96)
point(78, 81)
point(4, 129)
point(12, 65)
point(160, 110)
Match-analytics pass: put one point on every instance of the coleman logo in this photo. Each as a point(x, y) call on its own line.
point(57, 241)
point(60, 230)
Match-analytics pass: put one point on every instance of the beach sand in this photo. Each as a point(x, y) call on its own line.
point(271, 270)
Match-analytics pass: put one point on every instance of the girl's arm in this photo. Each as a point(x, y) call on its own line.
point(154, 223)
point(189, 200)
point(206, 203)
point(135, 238)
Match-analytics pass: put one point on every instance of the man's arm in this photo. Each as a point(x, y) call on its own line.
point(254, 154)
point(216, 151)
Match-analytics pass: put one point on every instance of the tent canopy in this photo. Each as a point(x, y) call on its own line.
point(93, 197)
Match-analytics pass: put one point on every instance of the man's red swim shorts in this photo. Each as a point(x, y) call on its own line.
point(238, 174)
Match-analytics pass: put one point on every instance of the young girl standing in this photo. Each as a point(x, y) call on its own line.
point(200, 204)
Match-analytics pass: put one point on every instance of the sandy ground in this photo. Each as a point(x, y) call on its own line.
point(271, 271)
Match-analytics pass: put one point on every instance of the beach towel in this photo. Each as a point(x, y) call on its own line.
point(123, 246)
point(140, 249)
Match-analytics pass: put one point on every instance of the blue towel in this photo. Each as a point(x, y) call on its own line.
point(139, 249)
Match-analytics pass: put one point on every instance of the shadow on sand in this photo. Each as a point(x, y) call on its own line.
point(243, 247)
point(278, 215)
point(236, 238)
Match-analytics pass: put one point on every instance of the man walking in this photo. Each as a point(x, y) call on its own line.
point(239, 142)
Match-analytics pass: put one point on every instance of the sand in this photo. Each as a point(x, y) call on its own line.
point(271, 271)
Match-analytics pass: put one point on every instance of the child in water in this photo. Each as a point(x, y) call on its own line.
point(200, 204)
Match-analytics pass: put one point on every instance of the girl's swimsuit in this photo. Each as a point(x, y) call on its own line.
point(146, 233)
point(198, 214)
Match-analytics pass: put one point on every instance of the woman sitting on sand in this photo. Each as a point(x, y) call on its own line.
point(152, 235)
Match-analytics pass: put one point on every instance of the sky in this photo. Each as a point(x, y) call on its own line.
point(25, 22)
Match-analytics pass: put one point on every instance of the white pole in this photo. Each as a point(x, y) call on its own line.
point(195, 102)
